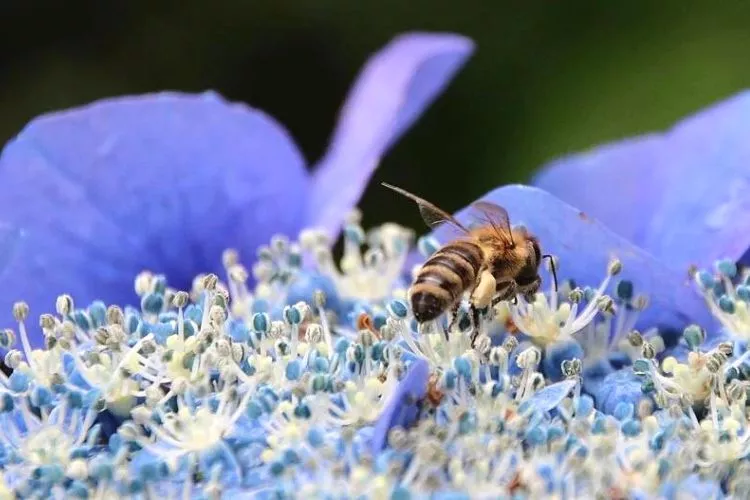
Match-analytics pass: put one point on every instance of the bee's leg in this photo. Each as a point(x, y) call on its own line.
point(454, 318)
point(475, 322)
point(506, 290)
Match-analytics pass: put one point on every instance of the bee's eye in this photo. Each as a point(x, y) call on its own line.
point(537, 252)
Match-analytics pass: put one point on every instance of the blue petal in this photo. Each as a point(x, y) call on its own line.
point(393, 89)
point(620, 386)
point(589, 179)
point(548, 398)
point(397, 412)
point(10, 239)
point(584, 246)
point(163, 181)
point(692, 209)
point(705, 214)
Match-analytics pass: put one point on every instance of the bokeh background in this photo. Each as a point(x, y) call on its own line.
point(548, 77)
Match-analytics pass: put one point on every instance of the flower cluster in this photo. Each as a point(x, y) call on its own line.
point(292, 375)
point(317, 381)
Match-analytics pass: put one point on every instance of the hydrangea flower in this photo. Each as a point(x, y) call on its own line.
point(168, 181)
point(222, 390)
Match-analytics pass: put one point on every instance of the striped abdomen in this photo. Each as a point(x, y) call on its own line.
point(446, 275)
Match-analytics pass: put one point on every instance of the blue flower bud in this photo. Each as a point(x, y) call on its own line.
point(294, 370)
point(706, 280)
point(624, 290)
point(341, 346)
point(462, 366)
point(98, 313)
point(261, 322)
point(290, 457)
point(585, 406)
point(292, 315)
point(277, 468)
point(694, 336)
point(743, 292)
point(398, 308)
point(726, 304)
point(623, 411)
point(315, 437)
point(631, 427)
point(18, 382)
point(321, 364)
point(427, 245)
point(152, 303)
point(727, 268)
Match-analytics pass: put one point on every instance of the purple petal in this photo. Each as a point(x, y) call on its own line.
point(398, 410)
point(10, 239)
point(584, 246)
point(391, 92)
point(609, 182)
point(548, 398)
point(164, 181)
point(705, 214)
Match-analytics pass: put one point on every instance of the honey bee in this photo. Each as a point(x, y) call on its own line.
point(490, 252)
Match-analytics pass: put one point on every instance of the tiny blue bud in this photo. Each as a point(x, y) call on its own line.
point(41, 396)
point(152, 303)
point(624, 290)
point(294, 370)
point(341, 346)
point(261, 322)
point(378, 320)
point(6, 402)
point(7, 338)
point(727, 267)
point(743, 292)
point(462, 366)
point(631, 427)
point(427, 245)
point(585, 406)
point(656, 443)
point(694, 336)
point(315, 437)
point(290, 457)
point(398, 308)
point(623, 411)
point(254, 410)
point(554, 433)
point(81, 319)
point(18, 381)
point(302, 411)
point(321, 364)
point(536, 436)
point(277, 468)
point(292, 315)
point(98, 313)
point(726, 304)
point(449, 379)
point(705, 280)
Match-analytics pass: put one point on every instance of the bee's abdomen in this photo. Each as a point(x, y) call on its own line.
point(443, 279)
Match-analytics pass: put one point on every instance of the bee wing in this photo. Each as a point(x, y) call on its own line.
point(431, 214)
point(497, 217)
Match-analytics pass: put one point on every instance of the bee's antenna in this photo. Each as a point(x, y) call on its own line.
point(552, 268)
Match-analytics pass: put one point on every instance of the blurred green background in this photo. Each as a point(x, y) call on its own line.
point(548, 77)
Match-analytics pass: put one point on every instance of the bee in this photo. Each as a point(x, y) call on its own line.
point(491, 251)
